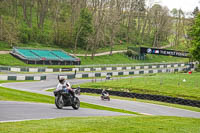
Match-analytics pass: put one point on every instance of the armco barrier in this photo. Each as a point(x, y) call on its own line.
point(133, 72)
point(19, 77)
point(96, 68)
point(167, 99)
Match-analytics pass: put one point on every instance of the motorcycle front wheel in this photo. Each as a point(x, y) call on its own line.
point(59, 102)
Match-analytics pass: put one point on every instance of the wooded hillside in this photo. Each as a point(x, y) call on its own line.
point(90, 24)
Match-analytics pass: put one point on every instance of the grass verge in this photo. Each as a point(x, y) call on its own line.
point(9, 60)
point(12, 81)
point(123, 59)
point(179, 85)
point(114, 124)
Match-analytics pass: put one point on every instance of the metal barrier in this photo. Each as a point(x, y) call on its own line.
point(160, 98)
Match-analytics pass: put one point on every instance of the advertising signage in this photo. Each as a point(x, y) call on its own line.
point(164, 52)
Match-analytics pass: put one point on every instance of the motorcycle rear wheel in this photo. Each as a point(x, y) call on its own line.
point(76, 104)
point(102, 98)
point(108, 98)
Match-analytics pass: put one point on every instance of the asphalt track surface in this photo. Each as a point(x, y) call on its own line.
point(144, 108)
point(18, 111)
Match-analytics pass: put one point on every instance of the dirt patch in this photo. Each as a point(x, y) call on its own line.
point(4, 52)
point(100, 54)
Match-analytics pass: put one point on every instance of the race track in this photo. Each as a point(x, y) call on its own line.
point(144, 108)
point(18, 111)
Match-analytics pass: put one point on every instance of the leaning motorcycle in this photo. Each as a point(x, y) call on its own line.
point(63, 99)
point(105, 97)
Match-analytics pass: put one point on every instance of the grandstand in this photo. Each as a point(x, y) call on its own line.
point(45, 57)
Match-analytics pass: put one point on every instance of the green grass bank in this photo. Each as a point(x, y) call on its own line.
point(180, 85)
point(118, 124)
point(9, 60)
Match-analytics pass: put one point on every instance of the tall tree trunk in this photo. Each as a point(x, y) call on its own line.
point(139, 23)
point(76, 40)
point(155, 39)
point(24, 10)
point(149, 28)
point(94, 45)
point(111, 44)
point(128, 27)
point(25, 6)
point(1, 27)
point(42, 12)
point(30, 19)
point(143, 28)
point(15, 8)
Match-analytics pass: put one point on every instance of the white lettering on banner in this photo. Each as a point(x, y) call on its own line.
point(173, 53)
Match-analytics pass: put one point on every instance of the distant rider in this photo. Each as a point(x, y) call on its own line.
point(104, 92)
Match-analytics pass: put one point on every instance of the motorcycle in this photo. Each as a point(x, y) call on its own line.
point(63, 99)
point(108, 77)
point(105, 97)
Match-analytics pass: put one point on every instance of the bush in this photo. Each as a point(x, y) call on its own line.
point(25, 33)
point(129, 53)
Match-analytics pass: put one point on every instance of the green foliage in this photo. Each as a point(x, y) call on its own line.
point(25, 33)
point(129, 53)
point(9, 30)
point(9, 60)
point(195, 35)
point(4, 45)
point(84, 27)
point(123, 59)
point(196, 11)
point(66, 24)
point(16, 95)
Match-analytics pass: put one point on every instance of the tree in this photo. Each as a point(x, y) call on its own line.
point(196, 11)
point(42, 9)
point(27, 14)
point(194, 34)
point(98, 8)
point(114, 17)
point(161, 24)
point(9, 30)
point(83, 28)
point(179, 25)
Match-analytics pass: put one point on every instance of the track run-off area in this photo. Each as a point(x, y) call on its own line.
point(17, 111)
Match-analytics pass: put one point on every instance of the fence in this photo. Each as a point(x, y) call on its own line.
point(18, 77)
point(98, 68)
point(120, 73)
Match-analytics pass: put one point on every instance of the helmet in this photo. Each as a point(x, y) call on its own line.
point(61, 80)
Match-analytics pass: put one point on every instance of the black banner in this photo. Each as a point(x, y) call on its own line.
point(164, 52)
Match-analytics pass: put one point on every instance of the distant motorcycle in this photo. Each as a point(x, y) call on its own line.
point(108, 77)
point(63, 99)
point(105, 97)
